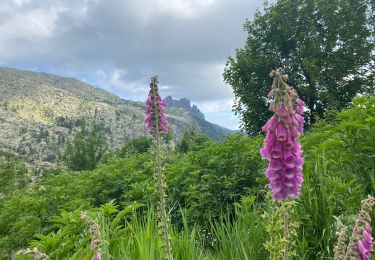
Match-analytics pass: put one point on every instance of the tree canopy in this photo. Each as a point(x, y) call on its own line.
point(136, 145)
point(87, 149)
point(325, 47)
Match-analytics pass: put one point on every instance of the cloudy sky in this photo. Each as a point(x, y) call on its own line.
point(119, 44)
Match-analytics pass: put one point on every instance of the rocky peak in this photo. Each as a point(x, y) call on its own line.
point(185, 103)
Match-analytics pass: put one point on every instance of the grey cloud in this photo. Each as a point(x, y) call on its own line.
point(188, 52)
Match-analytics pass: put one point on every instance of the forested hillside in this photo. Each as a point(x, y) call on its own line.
point(39, 112)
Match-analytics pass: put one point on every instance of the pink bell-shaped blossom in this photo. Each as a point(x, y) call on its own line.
point(277, 150)
point(274, 107)
point(293, 131)
point(282, 133)
point(271, 124)
point(282, 112)
point(288, 104)
point(97, 256)
point(270, 139)
point(365, 245)
point(300, 106)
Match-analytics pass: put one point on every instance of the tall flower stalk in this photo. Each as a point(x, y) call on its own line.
point(281, 147)
point(281, 225)
point(94, 231)
point(361, 242)
point(156, 124)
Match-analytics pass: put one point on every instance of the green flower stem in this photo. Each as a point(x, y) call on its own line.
point(286, 235)
point(160, 182)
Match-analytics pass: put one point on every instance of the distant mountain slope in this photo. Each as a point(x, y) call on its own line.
point(39, 111)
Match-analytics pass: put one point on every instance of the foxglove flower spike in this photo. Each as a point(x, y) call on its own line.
point(281, 147)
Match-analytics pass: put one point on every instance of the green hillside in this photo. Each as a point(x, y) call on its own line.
point(39, 112)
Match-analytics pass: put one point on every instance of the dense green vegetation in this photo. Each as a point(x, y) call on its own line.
point(86, 149)
point(13, 174)
point(219, 205)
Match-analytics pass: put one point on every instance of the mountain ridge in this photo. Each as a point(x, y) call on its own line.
point(39, 112)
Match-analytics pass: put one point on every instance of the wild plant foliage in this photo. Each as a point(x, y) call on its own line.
point(216, 196)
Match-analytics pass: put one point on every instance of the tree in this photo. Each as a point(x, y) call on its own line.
point(324, 46)
point(13, 174)
point(136, 145)
point(191, 140)
point(87, 149)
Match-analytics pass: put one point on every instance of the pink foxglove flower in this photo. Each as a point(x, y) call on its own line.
point(365, 245)
point(281, 147)
point(97, 256)
point(155, 120)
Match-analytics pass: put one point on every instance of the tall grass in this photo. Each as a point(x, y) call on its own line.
point(328, 203)
point(240, 236)
point(317, 209)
